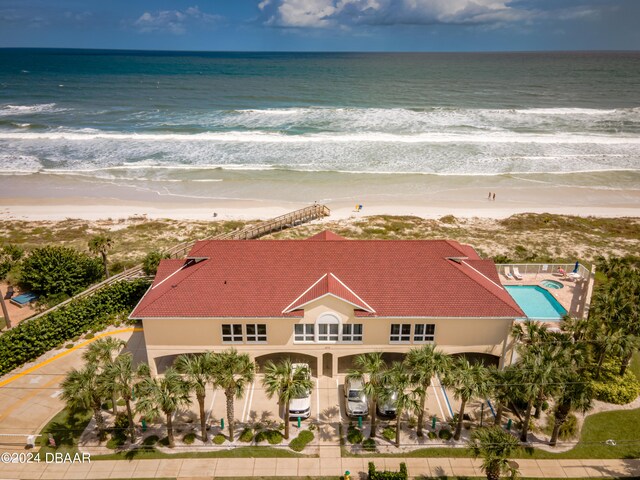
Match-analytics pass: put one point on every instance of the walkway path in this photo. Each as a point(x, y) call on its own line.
point(30, 397)
point(201, 469)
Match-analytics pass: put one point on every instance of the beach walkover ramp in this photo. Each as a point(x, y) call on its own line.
point(288, 220)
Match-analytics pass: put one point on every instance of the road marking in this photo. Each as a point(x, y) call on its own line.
point(444, 395)
point(317, 400)
point(56, 394)
point(213, 399)
point(253, 388)
point(246, 402)
point(36, 391)
point(435, 392)
point(37, 379)
point(62, 354)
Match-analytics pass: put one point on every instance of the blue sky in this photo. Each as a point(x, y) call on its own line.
point(323, 25)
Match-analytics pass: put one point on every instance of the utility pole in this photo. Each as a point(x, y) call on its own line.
point(5, 313)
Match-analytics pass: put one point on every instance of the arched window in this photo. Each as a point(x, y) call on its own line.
point(328, 327)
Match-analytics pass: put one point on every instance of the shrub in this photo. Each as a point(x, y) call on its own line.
point(30, 339)
point(445, 434)
point(389, 433)
point(448, 219)
point(115, 441)
point(432, 435)
point(151, 262)
point(219, 439)
point(374, 474)
point(354, 435)
point(89, 336)
point(150, 440)
point(55, 270)
point(369, 445)
point(272, 436)
point(614, 389)
point(189, 438)
point(164, 442)
point(68, 345)
point(301, 441)
point(246, 435)
point(569, 428)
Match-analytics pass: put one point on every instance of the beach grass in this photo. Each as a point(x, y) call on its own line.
point(523, 237)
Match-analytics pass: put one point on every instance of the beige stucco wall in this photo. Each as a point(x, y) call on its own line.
point(168, 337)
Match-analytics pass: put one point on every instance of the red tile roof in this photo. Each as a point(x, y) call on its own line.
point(264, 278)
point(329, 284)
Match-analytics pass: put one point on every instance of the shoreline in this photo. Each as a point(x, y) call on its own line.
point(89, 209)
point(248, 196)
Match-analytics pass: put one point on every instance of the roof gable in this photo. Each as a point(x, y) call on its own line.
point(331, 285)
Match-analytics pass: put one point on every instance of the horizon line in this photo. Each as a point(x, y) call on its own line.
point(102, 49)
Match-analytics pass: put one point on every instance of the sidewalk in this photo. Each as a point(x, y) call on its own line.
point(209, 468)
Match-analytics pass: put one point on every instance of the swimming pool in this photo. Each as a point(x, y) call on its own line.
point(551, 284)
point(536, 302)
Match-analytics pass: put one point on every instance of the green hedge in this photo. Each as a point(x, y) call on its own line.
point(615, 389)
point(387, 474)
point(30, 339)
point(298, 443)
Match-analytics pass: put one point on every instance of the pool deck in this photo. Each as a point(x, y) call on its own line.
point(571, 296)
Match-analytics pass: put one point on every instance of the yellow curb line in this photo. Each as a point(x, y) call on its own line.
point(62, 354)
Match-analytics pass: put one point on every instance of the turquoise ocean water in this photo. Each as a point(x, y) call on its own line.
point(122, 116)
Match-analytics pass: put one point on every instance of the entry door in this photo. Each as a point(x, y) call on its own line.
point(327, 364)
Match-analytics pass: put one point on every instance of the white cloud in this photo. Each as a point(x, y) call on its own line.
point(332, 13)
point(173, 21)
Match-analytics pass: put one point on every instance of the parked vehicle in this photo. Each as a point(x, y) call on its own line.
point(301, 407)
point(387, 408)
point(356, 403)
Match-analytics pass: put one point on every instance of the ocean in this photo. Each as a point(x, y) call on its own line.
point(214, 125)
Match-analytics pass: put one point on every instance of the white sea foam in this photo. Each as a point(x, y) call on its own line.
point(368, 137)
point(8, 110)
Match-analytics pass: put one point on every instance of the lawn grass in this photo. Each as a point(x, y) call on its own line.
point(66, 428)
point(238, 452)
point(621, 426)
point(635, 365)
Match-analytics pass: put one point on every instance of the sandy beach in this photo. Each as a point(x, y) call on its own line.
point(56, 197)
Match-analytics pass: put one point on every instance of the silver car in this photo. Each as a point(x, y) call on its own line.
point(356, 403)
point(301, 406)
point(387, 407)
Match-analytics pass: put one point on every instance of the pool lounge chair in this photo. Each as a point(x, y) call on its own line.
point(507, 273)
point(516, 273)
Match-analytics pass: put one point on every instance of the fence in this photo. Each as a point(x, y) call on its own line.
point(544, 268)
point(288, 220)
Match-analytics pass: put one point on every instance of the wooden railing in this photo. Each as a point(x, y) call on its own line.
point(287, 220)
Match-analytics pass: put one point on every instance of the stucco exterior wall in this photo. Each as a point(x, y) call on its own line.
point(167, 338)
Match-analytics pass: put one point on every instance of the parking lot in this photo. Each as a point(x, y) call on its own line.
point(327, 404)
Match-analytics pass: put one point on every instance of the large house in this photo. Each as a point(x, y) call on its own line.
point(325, 299)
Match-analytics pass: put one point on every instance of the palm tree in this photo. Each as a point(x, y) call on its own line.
point(287, 382)
point(468, 382)
point(495, 446)
point(399, 381)
point(84, 389)
point(424, 363)
point(575, 395)
point(124, 376)
point(232, 372)
point(198, 370)
point(163, 395)
point(100, 245)
point(370, 368)
point(103, 353)
point(503, 389)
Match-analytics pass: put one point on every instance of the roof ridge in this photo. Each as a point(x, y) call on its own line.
point(197, 264)
point(501, 287)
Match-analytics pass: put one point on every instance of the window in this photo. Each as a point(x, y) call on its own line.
point(352, 332)
point(232, 333)
point(328, 332)
point(424, 333)
point(256, 333)
point(400, 332)
point(304, 332)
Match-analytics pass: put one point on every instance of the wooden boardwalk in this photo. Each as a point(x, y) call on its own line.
point(288, 220)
